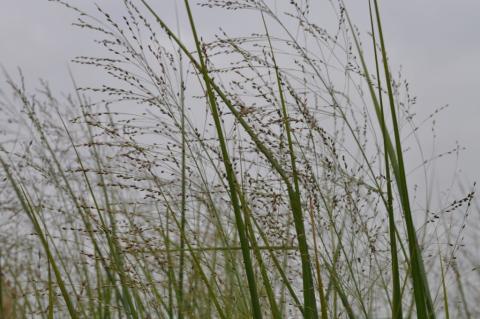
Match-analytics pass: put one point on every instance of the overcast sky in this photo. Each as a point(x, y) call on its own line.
point(437, 43)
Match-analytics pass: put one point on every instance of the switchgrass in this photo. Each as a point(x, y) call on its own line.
point(261, 176)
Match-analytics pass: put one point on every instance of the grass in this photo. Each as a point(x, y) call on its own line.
point(259, 176)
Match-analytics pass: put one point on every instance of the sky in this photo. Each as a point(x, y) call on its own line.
point(436, 43)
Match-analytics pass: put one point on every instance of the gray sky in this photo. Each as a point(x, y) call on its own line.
point(437, 43)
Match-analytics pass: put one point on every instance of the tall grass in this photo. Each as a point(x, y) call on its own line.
point(258, 176)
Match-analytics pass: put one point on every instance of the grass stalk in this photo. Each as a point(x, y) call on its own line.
point(397, 297)
point(310, 310)
point(232, 183)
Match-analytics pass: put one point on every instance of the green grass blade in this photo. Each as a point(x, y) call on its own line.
point(397, 296)
point(232, 183)
point(310, 310)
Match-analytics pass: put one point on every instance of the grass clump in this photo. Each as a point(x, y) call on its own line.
point(257, 176)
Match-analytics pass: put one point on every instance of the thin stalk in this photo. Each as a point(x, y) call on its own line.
point(263, 271)
point(184, 195)
point(397, 297)
point(295, 201)
point(420, 284)
point(232, 183)
point(421, 289)
point(196, 262)
point(26, 206)
point(444, 289)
